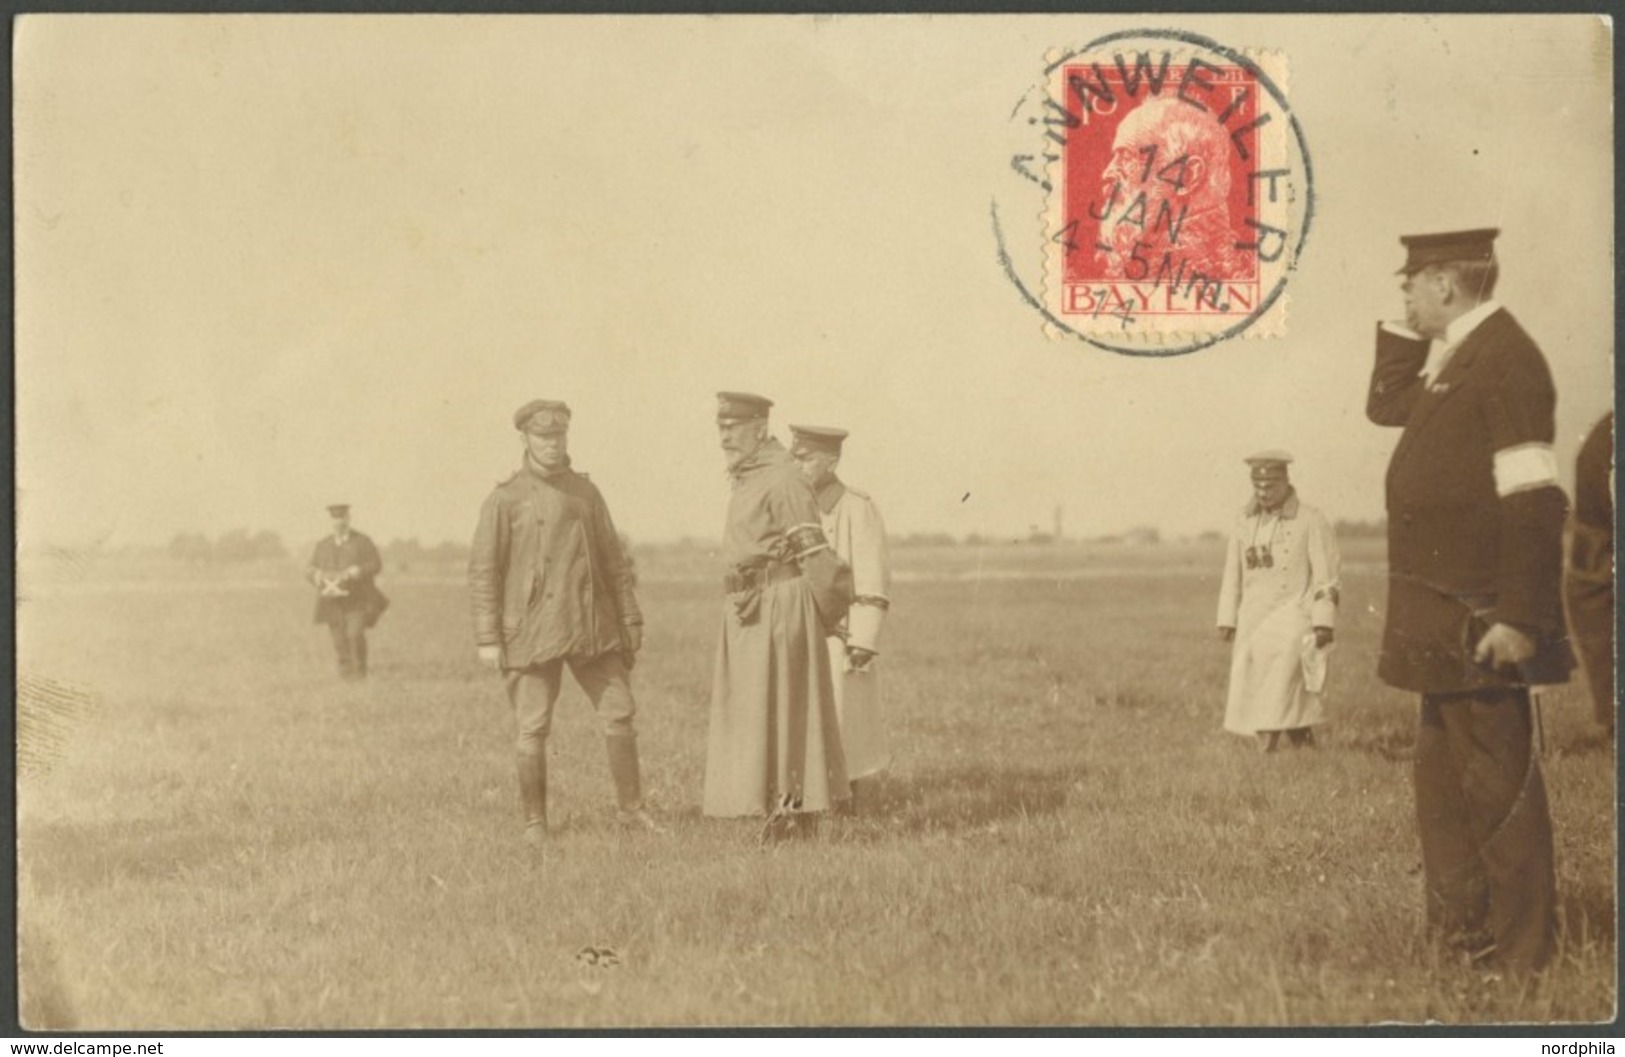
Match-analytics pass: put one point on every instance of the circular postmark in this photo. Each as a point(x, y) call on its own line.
point(1174, 192)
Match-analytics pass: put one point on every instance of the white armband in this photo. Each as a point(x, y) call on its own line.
point(1524, 467)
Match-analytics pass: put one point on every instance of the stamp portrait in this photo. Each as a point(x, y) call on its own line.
point(1178, 192)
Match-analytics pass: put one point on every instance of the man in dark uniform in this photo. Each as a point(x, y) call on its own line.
point(1475, 520)
point(342, 569)
point(550, 586)
point(1588, 581)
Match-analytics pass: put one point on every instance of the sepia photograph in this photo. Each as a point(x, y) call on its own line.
point(559, 522)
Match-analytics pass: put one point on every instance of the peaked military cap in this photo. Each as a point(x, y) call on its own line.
point(338, 509)
point(1269, 464)
point(1424, 250)
point(738, 407)
point(543, 416)
point(818, 438)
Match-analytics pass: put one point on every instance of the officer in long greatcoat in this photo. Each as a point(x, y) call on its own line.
point(854, 528)
point(774, 745)
point(551, 586)
point(342, 569)
point(1475, 520)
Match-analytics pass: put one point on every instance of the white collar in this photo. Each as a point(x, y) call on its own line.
point(1468, 321)
point(1454, 334)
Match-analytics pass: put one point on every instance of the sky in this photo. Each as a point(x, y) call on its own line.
point(267, 263)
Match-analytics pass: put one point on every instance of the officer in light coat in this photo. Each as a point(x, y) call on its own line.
point(854, 528)
point(1278, 605)
point(1475, 525)
point(551, 586)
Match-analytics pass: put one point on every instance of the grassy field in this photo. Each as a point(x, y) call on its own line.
point(215, 833)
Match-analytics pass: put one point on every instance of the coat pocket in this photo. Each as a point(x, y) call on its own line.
point(515, 607)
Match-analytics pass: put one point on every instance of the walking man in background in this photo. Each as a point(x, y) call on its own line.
point(1475, 522)
point(550, 586)
point(342, 569)
point(774, 745)
point(1278, 604)
point(853, 527)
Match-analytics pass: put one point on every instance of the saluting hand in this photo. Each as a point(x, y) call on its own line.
point(491, 657)
point(1503, 646)
point(1227, 634)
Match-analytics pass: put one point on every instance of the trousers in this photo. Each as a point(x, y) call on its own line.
point(349, 629)
point(1485, 827)
point(533, 691)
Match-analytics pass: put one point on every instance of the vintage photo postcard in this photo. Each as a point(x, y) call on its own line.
point(549, 522)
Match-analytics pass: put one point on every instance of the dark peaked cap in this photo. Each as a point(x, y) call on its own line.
point(736, 407)
point(338, 509)
point(819, 438)
point(1424, 250)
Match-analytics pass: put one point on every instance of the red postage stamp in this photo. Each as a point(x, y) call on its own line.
point(1177, 193)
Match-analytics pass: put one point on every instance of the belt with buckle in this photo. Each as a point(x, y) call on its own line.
point(745, 578)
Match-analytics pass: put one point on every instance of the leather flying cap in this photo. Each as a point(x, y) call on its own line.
point(1269, 464)
point(1424, 250)
point(739, 407)
point(338, 509)
point(817, 438)
point(543, 416)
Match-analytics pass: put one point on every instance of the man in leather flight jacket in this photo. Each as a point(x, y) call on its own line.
point(552, 586)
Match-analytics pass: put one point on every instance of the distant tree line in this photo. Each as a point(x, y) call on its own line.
point(404, 554)
point(234, 546)
point(239, 545)
point(1345, 529)
point(1138, 535)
